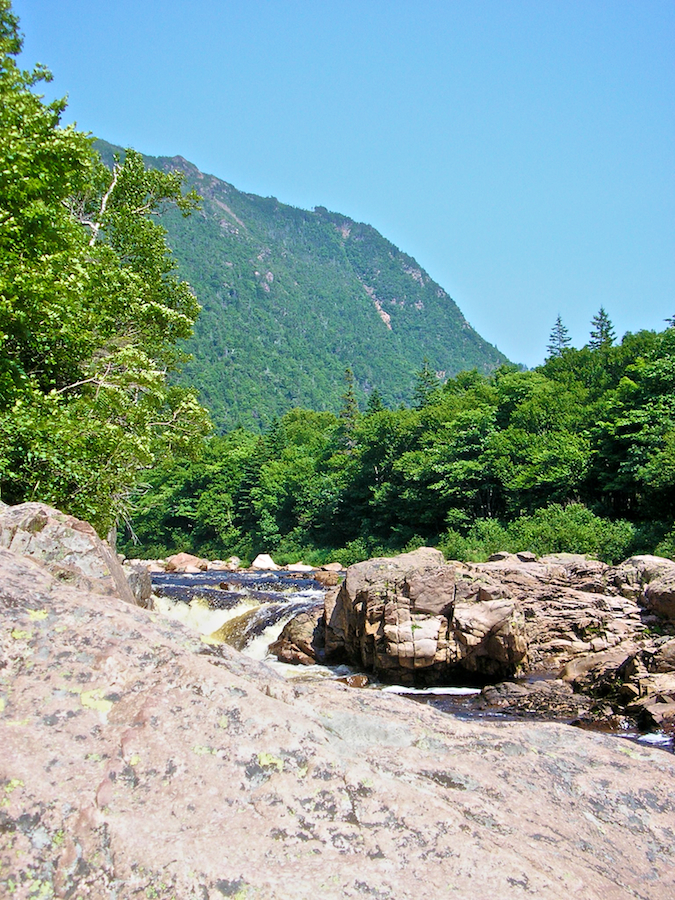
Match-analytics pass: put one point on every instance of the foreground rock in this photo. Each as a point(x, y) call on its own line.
point(137, 762)
point(69, 549)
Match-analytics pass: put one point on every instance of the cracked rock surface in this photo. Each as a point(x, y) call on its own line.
point(135, 761)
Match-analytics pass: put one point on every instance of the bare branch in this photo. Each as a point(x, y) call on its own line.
point(96, 226)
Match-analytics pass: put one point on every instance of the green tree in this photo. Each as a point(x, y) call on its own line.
point(559, 339)
point(426, 384)
point(90, 309)
point(349, 411)
point(602, 331)
point(375, 403)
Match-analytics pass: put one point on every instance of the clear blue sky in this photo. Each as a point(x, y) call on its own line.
point(522, 151)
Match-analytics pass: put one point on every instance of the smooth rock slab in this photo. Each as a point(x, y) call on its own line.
point(137, 762)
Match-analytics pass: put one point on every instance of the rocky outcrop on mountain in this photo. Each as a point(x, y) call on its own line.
point(136, 761)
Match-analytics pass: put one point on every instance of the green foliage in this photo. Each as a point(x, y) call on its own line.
point(553, 529)
point(291, 298)
point(91, 310)
point(577, 456)
point(666, 547)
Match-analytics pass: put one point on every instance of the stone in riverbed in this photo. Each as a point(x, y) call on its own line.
point(299, 567)
point(186, 563)
point(264, 561)
point(302, 639)
point(414, 617)
point(327, 579)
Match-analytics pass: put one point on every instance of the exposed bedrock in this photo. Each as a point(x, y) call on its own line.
point(137, 761)
point(415, 619)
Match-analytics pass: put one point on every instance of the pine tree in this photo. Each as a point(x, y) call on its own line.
point(349, 412)
point(427, 383)
point(559, 339)
point(602, 332)
point(375, 403)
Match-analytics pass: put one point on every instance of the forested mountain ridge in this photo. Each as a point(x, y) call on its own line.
point(291, 298)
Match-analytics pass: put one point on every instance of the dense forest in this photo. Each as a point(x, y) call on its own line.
point(577, 455)
point(291, 297)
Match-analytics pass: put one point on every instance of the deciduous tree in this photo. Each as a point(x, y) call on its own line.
point(90, 309)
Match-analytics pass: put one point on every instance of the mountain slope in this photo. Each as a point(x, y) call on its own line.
point(291, 297)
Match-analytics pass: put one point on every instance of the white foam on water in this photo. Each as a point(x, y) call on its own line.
point(452, 691)
point(198, 615)
point(656, 738)
point(258, 647)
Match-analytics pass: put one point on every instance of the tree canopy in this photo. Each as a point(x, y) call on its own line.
point(90, 309)
point(577, 455)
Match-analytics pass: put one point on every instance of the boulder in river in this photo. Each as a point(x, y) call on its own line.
point(264, 561)
point(607, 631)
point(415, 618)
point(186, 563)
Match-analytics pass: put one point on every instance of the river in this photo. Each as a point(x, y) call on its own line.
point(248, 611)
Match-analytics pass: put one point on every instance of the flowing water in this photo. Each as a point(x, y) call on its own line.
point(248, 610)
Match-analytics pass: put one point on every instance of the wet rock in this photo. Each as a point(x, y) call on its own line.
point(354, 681)
point(546, 698)
point(302, 640)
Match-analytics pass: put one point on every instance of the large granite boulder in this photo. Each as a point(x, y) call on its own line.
point(414, 618)
point(135, 761)
point(186, 563)
point(67, 547)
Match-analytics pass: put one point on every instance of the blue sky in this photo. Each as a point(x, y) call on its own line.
point(522, 151)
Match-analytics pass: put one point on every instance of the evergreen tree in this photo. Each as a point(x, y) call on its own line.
point(426, 384)
point(559, 339)
point(349, 412)
point(602, 332)
point(375, 403)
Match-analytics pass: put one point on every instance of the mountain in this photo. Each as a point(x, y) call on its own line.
point(291, 297)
